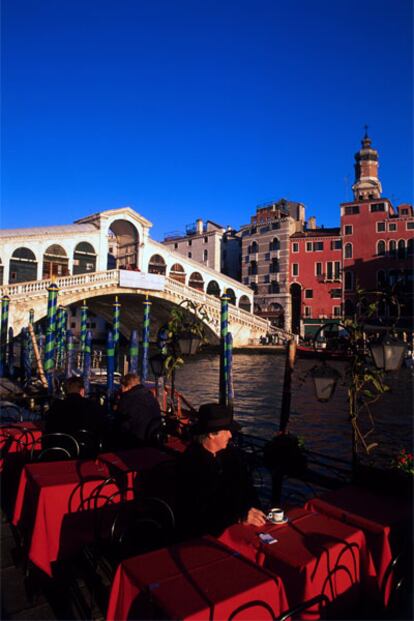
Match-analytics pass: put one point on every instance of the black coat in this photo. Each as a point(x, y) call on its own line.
point(213, 491)
point(138, 414)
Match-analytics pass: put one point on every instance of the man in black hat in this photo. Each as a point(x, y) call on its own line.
point(214, 488)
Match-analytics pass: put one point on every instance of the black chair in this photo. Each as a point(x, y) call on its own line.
point(320, 599)
point(398, 580)
point(10, 413)
point(57, 447)
point(89, 443)
point(23, 437)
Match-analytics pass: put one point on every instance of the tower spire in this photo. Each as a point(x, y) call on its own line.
point(367, 184)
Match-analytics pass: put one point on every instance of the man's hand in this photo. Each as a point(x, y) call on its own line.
point(255, 517)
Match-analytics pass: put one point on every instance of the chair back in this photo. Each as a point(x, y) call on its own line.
point(56, 447)
point(89, 443)
point(92, 493)
point(22, 437)
point(10, 413)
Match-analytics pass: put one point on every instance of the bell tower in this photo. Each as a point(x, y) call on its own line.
point(367, 185)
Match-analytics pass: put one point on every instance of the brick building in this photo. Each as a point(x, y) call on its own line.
point(377, 238)
point(265, 258)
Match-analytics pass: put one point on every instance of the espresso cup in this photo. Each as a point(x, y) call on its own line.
point(276, 515)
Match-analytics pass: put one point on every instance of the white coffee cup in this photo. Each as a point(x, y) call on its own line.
point(276, 515)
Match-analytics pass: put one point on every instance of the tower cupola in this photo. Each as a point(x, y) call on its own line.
point(367, 185)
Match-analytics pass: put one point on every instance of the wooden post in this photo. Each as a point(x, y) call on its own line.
point(38, 359)
point(286, 396)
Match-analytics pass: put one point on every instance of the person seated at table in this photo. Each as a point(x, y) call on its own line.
point(138, 414)
point(214, 486)
point(76, 412)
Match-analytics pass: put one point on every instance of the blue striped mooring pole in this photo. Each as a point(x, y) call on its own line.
point(145, 341)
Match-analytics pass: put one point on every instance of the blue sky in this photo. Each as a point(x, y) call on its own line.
point(200, 108)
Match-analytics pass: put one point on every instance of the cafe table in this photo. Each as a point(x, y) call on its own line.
point(19, 437)
point(383, 518)
point(198, 580)
point(313, 554)
point(137, 464)
point(48, 497)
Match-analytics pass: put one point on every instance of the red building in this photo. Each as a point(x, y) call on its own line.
point(315, 273)
point(377, 239)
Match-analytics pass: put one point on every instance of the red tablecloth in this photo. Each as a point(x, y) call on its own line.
point(200, 579)
point(134, 461)
point(313, 554)
point(381, 517)
point(14, 439)
point(42, 504)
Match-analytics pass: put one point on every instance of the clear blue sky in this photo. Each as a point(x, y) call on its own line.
point(200, 108)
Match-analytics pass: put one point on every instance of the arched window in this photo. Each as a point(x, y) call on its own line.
point(244, 303)
point(196, 281)
point(381, 278)
point(254, 247)
point(401, 249)
point(349, 308)
point(55, 262)
point(157, 265)
point(348, 251)
point(381, 248)
point(274, 266)
point(205, 255)
point(23, 266)
point(232, 296)
point(253, 268)
point(84, 258)
point(123, 244)
point(349, 280)
point(253, 287)
point(392, 248)
point(177, 273)
point(213, 288)
point(410, 247)
point(274, 244)
point(274, 287)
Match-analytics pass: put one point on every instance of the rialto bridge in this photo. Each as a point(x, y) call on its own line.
point(111, 254)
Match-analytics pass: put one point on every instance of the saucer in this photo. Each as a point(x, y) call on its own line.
point(284, 521)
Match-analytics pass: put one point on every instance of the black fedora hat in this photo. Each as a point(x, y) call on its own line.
point(214, 417)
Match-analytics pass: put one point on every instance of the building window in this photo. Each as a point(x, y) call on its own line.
point(380, 226)
point(175, 246)
point(392, 248)
point(275, 225)
point(253, 268)
point(246, 280)
point(205, 255)
point(73, 324)
point(266, 278)
point(348, 251)
point(318, 269)
point(381, 248)
point(295, 247)
point(377, 207)
point(349, 281)
point(401, 249)
point(73, 311)
point(317, 246)
point(308, 246)
point(308, 293)
point(190, 241)
point(308, 311)
point(189, 255)
point(336, 293)
point(295, 269)
point(329, 270)
point(337, 270)
point(336, 311)
point(392, 226)
point(351, 210)
point(409, 225)
point(206, 239)
point(337, 244)
point(348, 229)
point(267, 256)
point(274, 287)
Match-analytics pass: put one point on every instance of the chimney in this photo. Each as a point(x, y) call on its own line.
point(199, 226)
point(312, 223)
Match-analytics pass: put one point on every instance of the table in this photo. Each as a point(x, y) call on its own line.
point(14, 439)
point(382, 518)
point(42, 508)
point(199, 579)
point(313, 554)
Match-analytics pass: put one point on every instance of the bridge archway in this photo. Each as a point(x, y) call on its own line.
point(177, 273)
point(213, 288)
point(196, 281)
point(123, 243)
point(156, 265)
point(84, 258)
point(55, 262)
point(23, 265)
point(231, 295)
point(244, 303)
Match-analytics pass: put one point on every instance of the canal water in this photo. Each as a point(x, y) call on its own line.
point(258, 384)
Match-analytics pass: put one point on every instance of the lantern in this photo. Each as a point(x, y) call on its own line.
point(325, 379)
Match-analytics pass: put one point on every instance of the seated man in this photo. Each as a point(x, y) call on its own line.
point(138, 413)
point(214, 488)
point(76, 412)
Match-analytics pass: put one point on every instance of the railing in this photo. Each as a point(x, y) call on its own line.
point(64, 283)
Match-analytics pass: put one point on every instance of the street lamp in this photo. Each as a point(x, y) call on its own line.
point(188, 343)
point(325, 379)
point(388, 353)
